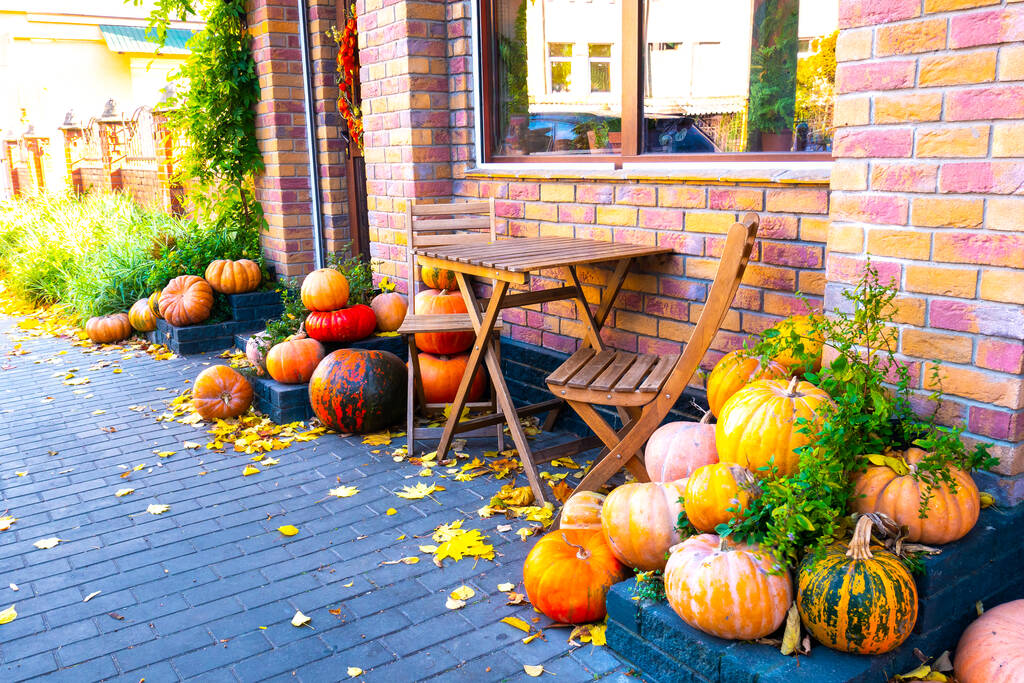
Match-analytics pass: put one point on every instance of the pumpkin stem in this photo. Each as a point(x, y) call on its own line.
point(745, 480)
point(706, 418)
point(791, 389)
point(581, 552)
point(723, 544)
point(860, 544)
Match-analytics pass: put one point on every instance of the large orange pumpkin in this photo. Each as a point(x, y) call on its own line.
point(757, 427)
point(186, 300)
point(293, 361)
point(390, 309)
point(324, 290)
point(812, 341)
point(440, 377)
point(220, 392)
point(713, 490)
point(582, 511)
point(639, 522)
point(233, 277)
point(676, 449)
point(433, 302)
point(568, 573)
point(439, 278)
point(107, 329)
point(730, 590)
point(141, 316)
point(991, 650)
point(736, 370)
point(949, 516)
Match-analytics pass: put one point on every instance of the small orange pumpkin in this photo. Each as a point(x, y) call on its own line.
point(582, 511)
point(676, 449)
point(991, 650)
point(154, 303)
point(324, 290)
point(141, 316)
point(233, 277)
point(107, 329)
point(568, 573)
point(186, 300)
point(736, 370)
point(639, 522)
point(390, 309)
point(949, 516)
point(440, 377)
point(712, 491)
point(220, 392)
point(433, 302)
point(812, 340)
point(293, 361)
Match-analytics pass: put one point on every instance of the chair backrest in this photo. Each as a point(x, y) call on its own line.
point(431, 225)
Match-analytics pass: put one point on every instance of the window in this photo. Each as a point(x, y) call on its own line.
point(659, 79)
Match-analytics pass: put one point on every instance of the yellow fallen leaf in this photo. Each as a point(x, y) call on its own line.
point(462, 593)
point(379, 439)
point(343, 491)
point(348, 585)
point(164, 454)
point(506, 587)
point(532, 670)
point(300, 619)
point(401, 538)
point(99, 412)
point(21, 474)
point(987, 499)
point(518, 623)
point(116, 371)
point(267, 462)
point(288, 530)
point(428, 549)
point(120, 493)
point(529, 639)
point(791, 636)
point(256, 458)
point(453, 603)
point(92, 595)
point(6, 521)
point(47, 543)
point(8, 615)
point(418, 491)
point(354, 671)
point(190, 444)
point(139, 467)
point(157, 509)
point(250, 469)
point(391, 511)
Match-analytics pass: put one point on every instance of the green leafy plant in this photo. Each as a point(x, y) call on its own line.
point(358, 272)
point(288, 323)
point(649, 585)
point(772, 69)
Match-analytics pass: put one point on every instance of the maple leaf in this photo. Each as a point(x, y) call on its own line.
point(562, 491)
point(47, 543)
point(418, 491)
point(288, 530)
point(446, 532)
point(343, 491)
point(157, 509)
point(469, 543)
point(509, 496)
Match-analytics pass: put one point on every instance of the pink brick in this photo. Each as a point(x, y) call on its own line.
point(507, 209)
point(573, 213)
point(871, 12)
point(995, 423)
point(619, 339)
point(979, 104)
point(904, 177)
point(636, 195)
point(890, 75)
point(524, 191)
point(659, 347)
point(595, 194)
point(868, 208)
point(682, 242)
point(661, 219)
point(525, 334)
point(1004, 356)
point(775, 227)
point(874, 142)
point(983, 248)
point(849, 269)
point(635, 236)
point(684, 289)
point(970, 29)
point(559, 342)
point(994, 319)
point(999, 177)
point(788, 254)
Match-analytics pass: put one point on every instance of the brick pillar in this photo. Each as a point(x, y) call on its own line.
point(72, 135)
point(927, 179)
point(403, 56)
point(170, 191)
point(9, 145)
point(108, 131)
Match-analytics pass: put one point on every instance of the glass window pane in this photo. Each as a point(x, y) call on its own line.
point(557, 65)
point(763, 84)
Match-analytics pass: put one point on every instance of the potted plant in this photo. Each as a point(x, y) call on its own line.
point(773, 63)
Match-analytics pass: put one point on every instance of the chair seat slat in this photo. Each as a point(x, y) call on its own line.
point(636, 373)
point(615, 370)
point(594, 367)
point(571, 366)
point(659, 374)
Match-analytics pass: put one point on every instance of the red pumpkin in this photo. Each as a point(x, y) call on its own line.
point(639, 522)
point(991, 650)
point(357, 391)
point(324, 290)
point(676, 449)
point(293, 361)
point(440, 377)
point(186, 300)
point(568, 573)
point(220, 392)
point(390, 309)
point(107, 329)
point(439, 278)
point(433, 302)
point(582, 511)
point(341, 326)
point(141, 316)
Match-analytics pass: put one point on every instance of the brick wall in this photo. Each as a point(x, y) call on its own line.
point(926, 183)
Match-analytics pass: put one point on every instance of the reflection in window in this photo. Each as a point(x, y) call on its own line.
point(600, 67)
point(560, 59)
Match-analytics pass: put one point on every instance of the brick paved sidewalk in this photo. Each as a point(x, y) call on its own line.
point(197, 585)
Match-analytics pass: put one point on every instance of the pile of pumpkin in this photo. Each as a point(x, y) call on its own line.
point(730, 589)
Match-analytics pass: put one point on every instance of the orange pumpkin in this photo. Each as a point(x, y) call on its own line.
point(440, 377)
point(439, 278)
point(233, 277)
point(949, 516)
point(757, 427)
point(568, 573)
point(582, 511)
point(433, 302)
point(154, 303)
point(736, 370)
point(107, 329)
point(676, 449)
point(390, 309)
point(141, 316)
point(324, 290)
point(714, 492)
point(639, 522)
point(293, 361)
point(730, 590)
point(813, 341)
point(991, 650)
point(220, 392)
point(186, 300)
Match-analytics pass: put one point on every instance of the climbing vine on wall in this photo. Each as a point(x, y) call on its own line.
point(348, 66)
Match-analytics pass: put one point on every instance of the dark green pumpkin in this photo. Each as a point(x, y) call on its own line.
point(358, 391)
point(866, 604)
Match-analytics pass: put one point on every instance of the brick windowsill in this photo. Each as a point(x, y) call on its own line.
point(794, 173)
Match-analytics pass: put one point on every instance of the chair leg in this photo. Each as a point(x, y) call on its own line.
point(410, 415)
point(500, 427)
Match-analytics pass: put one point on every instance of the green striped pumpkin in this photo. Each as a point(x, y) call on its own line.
point(864, 601)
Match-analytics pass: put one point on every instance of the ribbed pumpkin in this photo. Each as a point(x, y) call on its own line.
point(186, 300)
point(730, 590)
point(141, 316)
point(758, 424)
point(324, 290)
point(233, 277)
point(356, 391)
point(713, 489)
point(582, 511)
point(861, 599)
point(433, 302)
point(676, 449)
point(390, 309)
point(293, 361)
point(154, 303)
point(219, 392)
point(568, 573)
point(949, 515)
point(639, 522)
point(439, 278)
point(342, 326)
point(107, 329)
point(991, 650)
point(440, 377)
point(736, 370)
point(813, 342)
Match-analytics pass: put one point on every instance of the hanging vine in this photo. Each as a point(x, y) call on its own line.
point(348, 57)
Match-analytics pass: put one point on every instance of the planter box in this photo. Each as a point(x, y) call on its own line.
point(249, 312)
point(984, 566)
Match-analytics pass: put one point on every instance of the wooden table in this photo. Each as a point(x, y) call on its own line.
point(511, 262)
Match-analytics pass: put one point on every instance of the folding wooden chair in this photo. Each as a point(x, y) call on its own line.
point(434, 225)
point(645, 387)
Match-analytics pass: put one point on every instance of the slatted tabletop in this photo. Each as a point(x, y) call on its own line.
point(528, 254)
